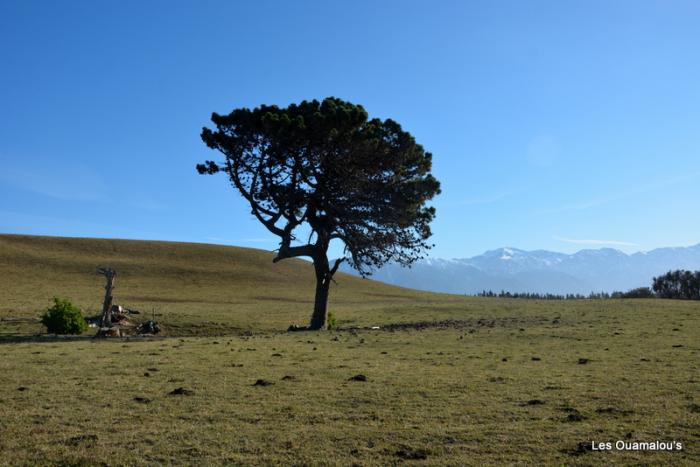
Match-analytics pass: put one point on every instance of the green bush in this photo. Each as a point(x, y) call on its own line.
point(332, 324)
point(64, 318)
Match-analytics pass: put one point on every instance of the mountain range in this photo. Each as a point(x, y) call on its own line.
point(541, 271)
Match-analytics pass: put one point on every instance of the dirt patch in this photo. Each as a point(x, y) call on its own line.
point(581, 448)
point(263, 382)
point(469, 324)
point(409, 453)
point(361, 378)
point(613, 411)
point(81, 440)
point(533, 402)
point(573, 415)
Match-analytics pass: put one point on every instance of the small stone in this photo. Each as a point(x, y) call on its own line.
point(358, 378)
point(535, 402)
point(409, 453)
point(263, 382)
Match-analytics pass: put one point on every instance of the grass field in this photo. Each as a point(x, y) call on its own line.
point(479, 382)
point(194, 288)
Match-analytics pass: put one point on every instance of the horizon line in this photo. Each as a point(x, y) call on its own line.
point(200, 242)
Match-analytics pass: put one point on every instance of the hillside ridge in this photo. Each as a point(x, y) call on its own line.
point(185, 282)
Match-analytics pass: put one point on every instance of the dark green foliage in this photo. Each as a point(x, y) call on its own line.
point(639, 292)
point(64, 318)
point(326, 164)
point(544, 296)
point(328, 167)
point(678, 284)
point(332, 323)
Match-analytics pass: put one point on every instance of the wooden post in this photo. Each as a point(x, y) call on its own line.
point(109, 273)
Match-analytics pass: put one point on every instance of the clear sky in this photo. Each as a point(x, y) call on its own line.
point(554, 125)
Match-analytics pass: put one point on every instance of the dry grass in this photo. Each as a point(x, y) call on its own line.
point(194, 288)
point(442, 393)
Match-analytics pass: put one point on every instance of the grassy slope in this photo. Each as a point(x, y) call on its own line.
point(194, 288)
point(446, 391)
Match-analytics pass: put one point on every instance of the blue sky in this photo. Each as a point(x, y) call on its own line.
point(554, 125)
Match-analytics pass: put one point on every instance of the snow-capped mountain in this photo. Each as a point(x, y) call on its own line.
point(542, 271)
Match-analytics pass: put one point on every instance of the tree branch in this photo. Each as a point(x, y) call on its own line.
point(335, 267)
point(293, 252)
point(256, 209)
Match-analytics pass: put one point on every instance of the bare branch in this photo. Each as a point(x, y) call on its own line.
point(335, 267)
point(294, 252)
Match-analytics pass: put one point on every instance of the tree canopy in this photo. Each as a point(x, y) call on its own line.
point(678, 284)
point(328, 166)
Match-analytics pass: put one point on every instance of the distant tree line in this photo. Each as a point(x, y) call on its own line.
point(678, 284)
point(551, 296)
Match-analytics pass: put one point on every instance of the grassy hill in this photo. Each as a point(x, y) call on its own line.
point(470, 382)
point(194, 288)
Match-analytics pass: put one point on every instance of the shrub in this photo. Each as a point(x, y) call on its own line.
point(64, 318)
point(332, 324)
point(639, 292)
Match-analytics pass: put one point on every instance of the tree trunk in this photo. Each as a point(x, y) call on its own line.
point(323, 283)
point(106, 320)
